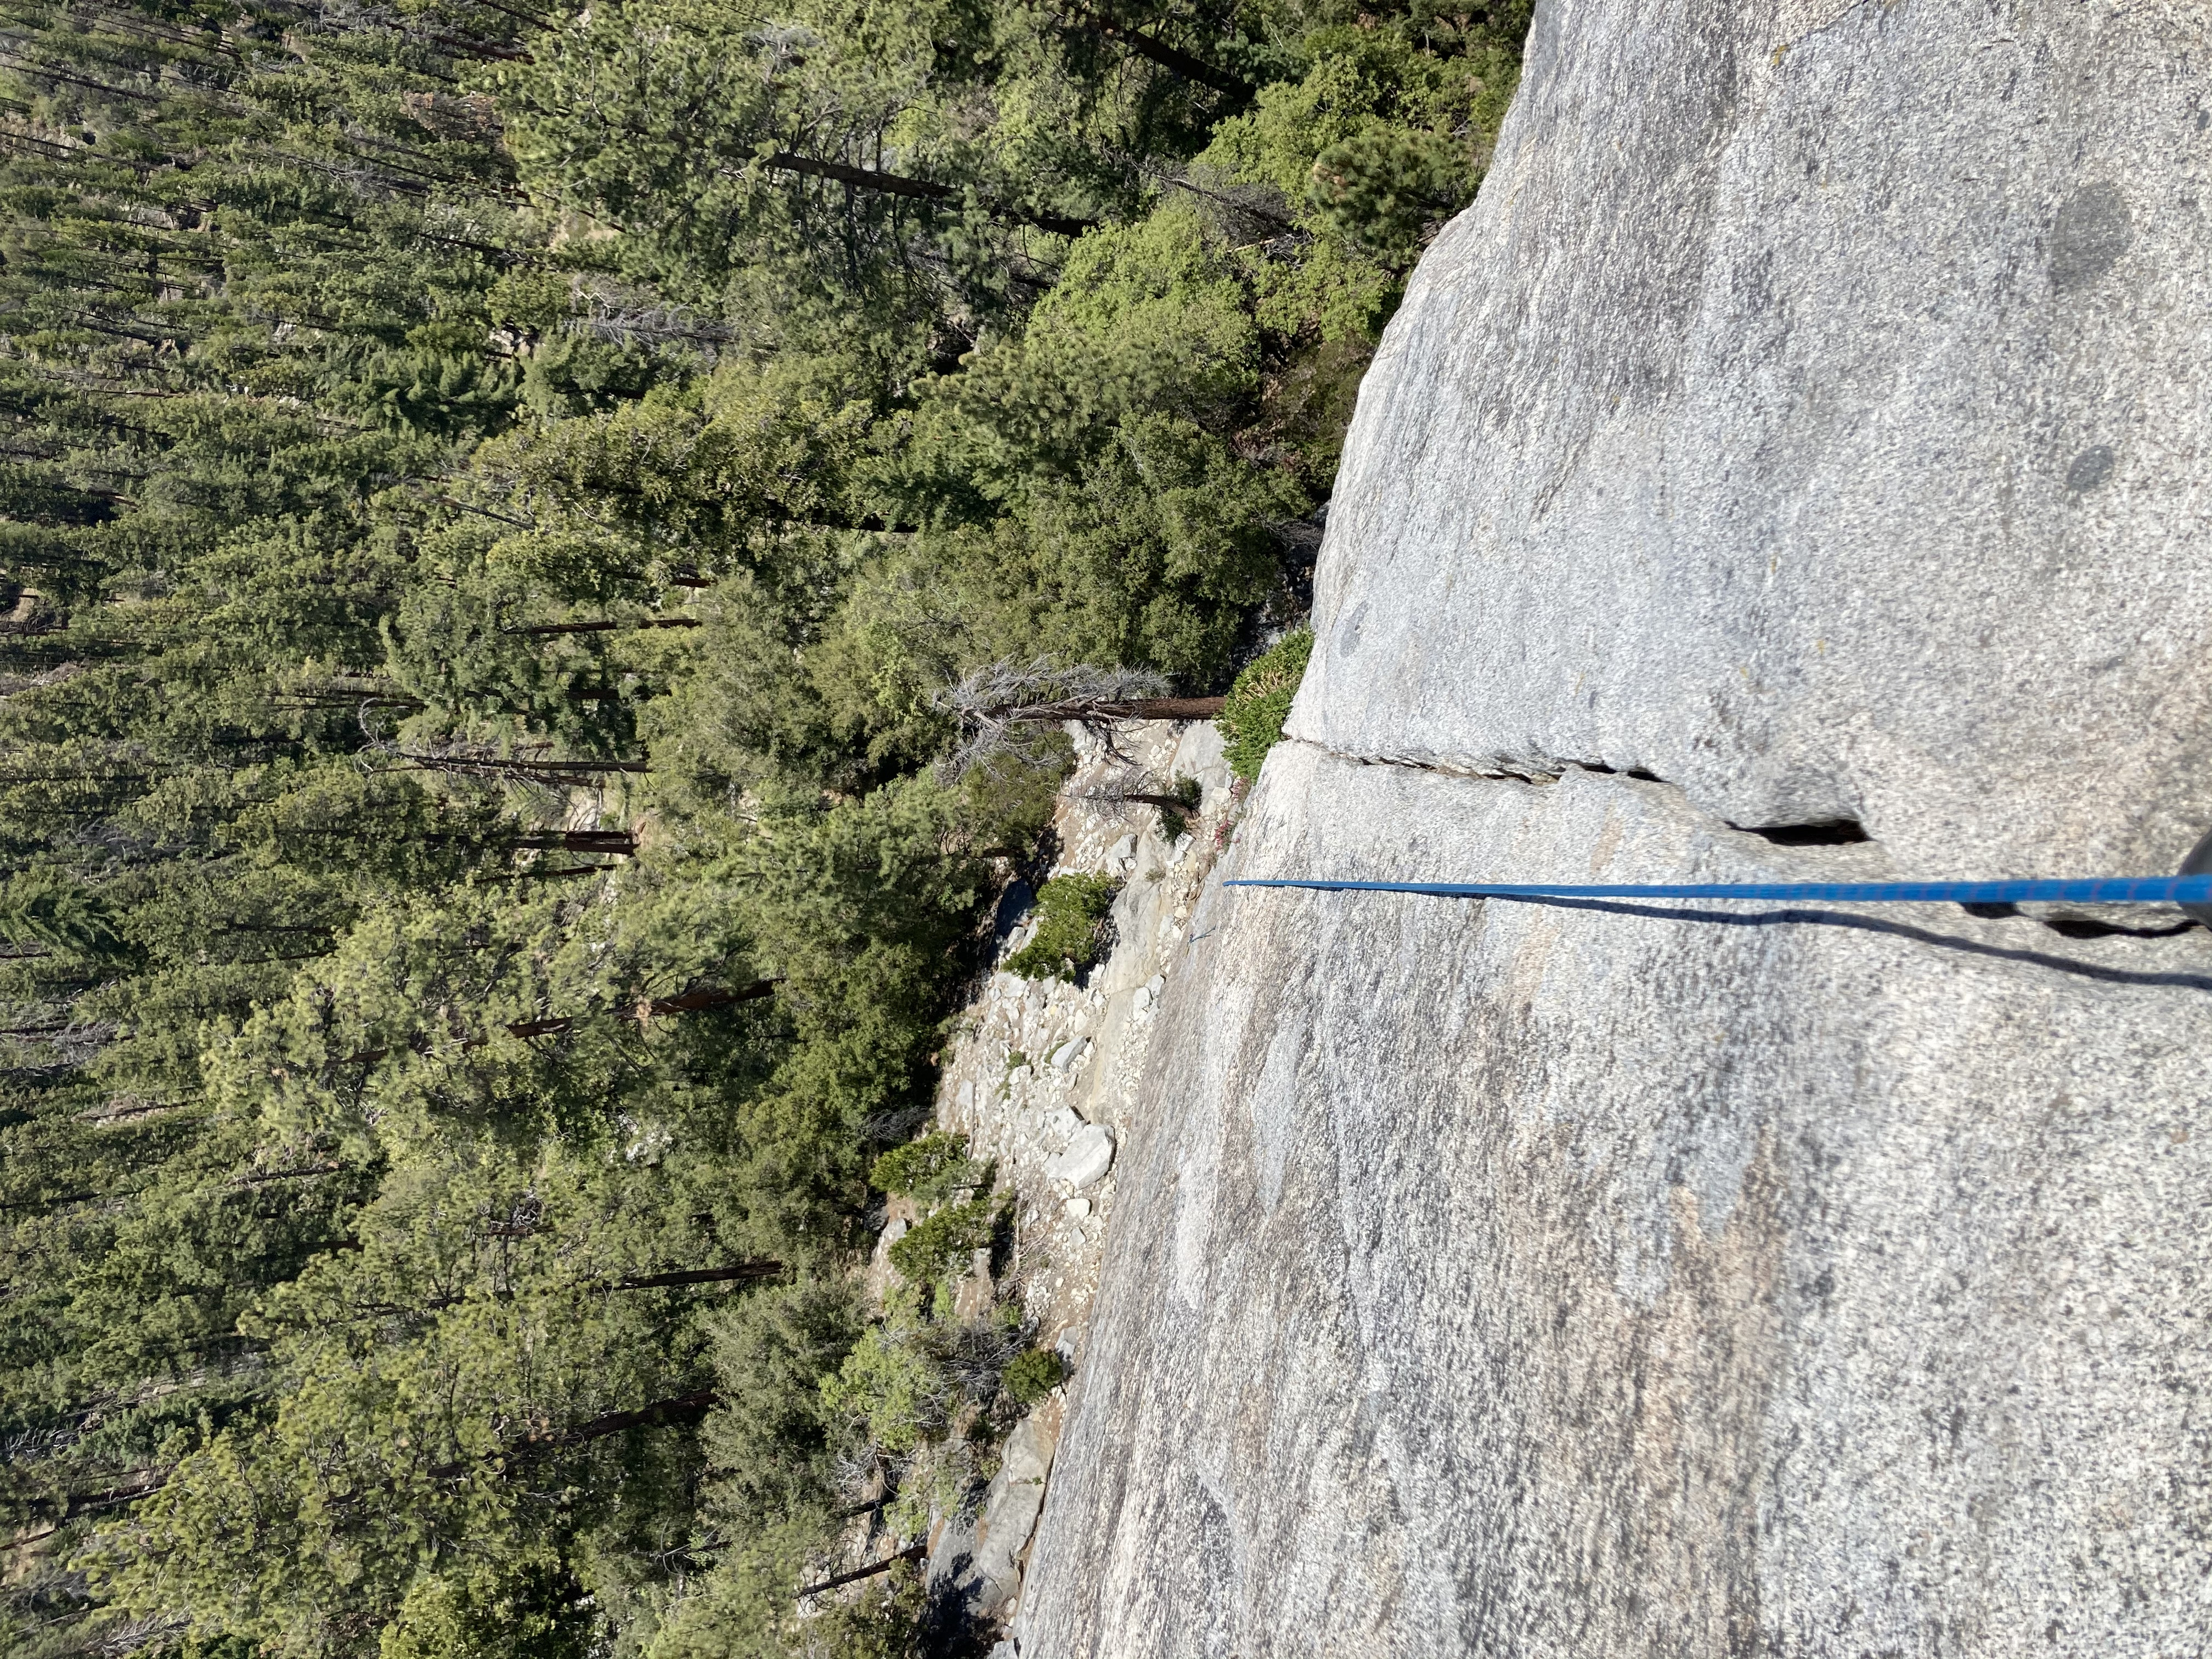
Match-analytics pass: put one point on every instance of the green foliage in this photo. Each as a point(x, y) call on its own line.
point(1383, 191)
point(929, 1169)
point(747, 1608)
point(1034, 1374)
point(1069, 911)
point(1175, 820)
point(532, 1612)
point(41, 909)
point(492, 497)
point(1252, 719)
point(886, 1621)
point(1382, 138)
point(892, 1385)
point(922, 1398)
point(769, 1439)
point(942, 1242)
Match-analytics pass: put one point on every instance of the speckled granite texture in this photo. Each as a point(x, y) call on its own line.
point(1809, 414)
point(1812, 411)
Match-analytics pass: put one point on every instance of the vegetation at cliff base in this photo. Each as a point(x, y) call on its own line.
point(930, 1168)
point(1034, 1374)
point(493, 500)
point(1071, 911)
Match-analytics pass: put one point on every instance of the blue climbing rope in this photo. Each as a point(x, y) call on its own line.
point(2106, 889)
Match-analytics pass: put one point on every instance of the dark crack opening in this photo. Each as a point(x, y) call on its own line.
point(1832, 832)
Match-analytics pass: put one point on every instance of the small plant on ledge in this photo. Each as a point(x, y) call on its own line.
point(1069, 911)
point(1033, 1375)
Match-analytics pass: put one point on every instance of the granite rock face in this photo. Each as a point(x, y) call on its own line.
point(1812, 412)
point(1807, 415)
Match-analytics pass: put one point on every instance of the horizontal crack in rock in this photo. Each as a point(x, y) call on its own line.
point(1445, 768)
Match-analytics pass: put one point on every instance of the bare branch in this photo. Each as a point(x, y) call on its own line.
point(1004, 706)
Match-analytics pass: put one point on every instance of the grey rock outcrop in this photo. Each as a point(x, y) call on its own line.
point(1811, 413)
point(1808, 414)
point(980, 1561)
point(1088, 1157)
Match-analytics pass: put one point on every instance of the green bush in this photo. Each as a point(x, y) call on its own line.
point(942, 1244)
point(1176, 820)
point(892, 1383)
point(1252, 719)
point(1033, 1375)
point(532, 1609)
point(1069, 910)
point(930, 1168)
point(1386, 190)
point(768, 1443)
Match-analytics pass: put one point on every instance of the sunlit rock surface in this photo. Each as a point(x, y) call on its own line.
point(1809, 416)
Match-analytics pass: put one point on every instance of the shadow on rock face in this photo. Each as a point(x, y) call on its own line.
point(951, 1626)
point(1906, 930)
point(1013, 904)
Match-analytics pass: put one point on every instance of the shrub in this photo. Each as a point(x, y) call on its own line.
point(1260, 701)
point(938, 1246)
point(1069, 910)
point(1386, 190)
point(930, 1168)
point(891, 1384)
point(1176, 820)
point(1033, 1375)
point(531, 1608)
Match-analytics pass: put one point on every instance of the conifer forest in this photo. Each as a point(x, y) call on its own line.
point(497, 500)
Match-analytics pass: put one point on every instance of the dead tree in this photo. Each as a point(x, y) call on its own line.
point(1005, 707)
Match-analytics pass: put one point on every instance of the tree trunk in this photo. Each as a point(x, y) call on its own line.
point(920, 189)
point(493, 766)
point(59, 1197)
point(67, 1506)
point(1137, 708)
point(911, 1552)
point(604, 627)
point(566, 769)
point(760, 1268)
point(687, 1002)
point(691, 1002)
point(308, 1174)
point(619, 842)
point(1176, 63)
point(1166, 708)
point(681, 1408)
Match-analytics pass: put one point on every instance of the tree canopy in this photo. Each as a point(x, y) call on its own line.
point(497, 499)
